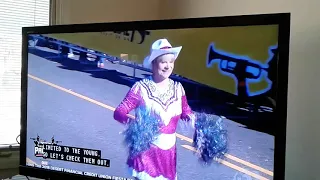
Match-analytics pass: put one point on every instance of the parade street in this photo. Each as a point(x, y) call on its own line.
point(75, 104)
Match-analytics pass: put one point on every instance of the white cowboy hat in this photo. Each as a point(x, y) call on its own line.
point(160, 47)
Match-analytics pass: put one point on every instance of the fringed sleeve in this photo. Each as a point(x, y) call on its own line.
point(187, 113)
point(130, 102)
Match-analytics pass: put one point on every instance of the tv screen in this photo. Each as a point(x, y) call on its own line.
point(156, 99)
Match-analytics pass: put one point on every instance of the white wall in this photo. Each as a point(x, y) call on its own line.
point(303, 160)
point(84, 11)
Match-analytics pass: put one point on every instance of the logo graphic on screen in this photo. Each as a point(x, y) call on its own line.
point(39, 149)
point(242, 69)
point(132, 36)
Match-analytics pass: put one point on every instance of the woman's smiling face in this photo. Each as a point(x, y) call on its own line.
point(163, 66)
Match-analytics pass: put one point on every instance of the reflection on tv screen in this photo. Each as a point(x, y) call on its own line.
point(155, 104)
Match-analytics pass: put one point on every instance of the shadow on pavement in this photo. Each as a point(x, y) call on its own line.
point(92, 69)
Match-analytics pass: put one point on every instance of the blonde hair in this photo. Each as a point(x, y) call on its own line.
point(159, 58)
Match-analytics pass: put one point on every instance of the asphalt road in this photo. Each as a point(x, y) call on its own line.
point(78, 122)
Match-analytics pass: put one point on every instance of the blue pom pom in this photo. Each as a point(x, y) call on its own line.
point(142, 131)
point(210, 138)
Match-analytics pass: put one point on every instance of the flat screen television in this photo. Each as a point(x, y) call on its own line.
point(199, 98)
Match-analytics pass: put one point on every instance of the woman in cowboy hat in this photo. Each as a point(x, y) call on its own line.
point(166, 99)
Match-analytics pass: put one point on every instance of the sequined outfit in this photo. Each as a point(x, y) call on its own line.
point(159, 162)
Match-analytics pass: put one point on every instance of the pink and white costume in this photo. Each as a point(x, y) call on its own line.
point(159, 162)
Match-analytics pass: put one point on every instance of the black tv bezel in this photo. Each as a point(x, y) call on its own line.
point(280, 19)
